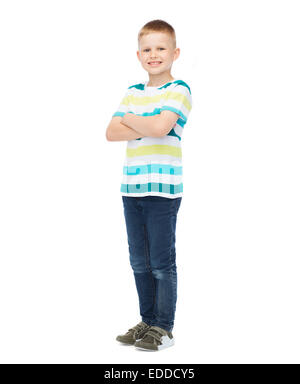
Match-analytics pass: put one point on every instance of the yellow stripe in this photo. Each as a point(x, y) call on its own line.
point(154, 149)
point(169, 95)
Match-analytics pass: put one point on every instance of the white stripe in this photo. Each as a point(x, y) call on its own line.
point(147, 159)
point(152, 178)
point(168, 195)
point(165, 140)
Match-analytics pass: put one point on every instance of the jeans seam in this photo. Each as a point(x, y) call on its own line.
point(173, 216)
point(147, 258)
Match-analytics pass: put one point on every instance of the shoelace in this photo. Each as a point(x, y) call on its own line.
point(156, 333)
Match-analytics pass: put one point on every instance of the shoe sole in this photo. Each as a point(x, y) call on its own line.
point(167, 343)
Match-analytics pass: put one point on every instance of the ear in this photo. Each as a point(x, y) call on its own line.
point(167, 120)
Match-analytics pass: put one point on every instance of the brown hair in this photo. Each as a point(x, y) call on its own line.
point(157, 26)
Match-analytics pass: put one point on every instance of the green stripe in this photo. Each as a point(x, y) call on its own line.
point(167, 96)
point(155, 149)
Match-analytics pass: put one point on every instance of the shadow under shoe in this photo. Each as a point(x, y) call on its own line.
point(133, 334)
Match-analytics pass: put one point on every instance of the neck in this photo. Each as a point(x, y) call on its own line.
point(157, 80)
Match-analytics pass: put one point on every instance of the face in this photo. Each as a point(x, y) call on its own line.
point(157, 48)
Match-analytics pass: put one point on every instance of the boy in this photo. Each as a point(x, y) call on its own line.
point(151, 117)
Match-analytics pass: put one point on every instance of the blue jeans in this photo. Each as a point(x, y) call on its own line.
point(151, 225)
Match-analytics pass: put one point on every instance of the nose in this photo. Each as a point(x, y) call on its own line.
point(153, 54)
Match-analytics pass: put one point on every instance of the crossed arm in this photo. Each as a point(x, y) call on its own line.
point(130, 126)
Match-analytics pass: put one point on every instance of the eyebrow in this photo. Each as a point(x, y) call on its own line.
point(159, 46)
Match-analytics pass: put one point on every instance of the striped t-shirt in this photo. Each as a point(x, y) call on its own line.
point(153, 165)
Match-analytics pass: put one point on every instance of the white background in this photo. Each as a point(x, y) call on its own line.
point(66, 286)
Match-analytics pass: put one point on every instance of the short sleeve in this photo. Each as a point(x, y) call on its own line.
point(178, 100)
point(124, 105)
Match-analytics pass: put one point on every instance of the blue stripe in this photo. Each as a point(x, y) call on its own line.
point(140, 86)
point(119, 114)
point(180, 122)
point(152, 168)
point(172, 133)
point(166, 85)
point(172, 109)
point(181, 82)
point(171, 189)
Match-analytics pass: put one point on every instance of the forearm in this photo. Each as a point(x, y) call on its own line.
point(146, 125)
point(121, 132)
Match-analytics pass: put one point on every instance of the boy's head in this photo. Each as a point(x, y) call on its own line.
point(157, 43)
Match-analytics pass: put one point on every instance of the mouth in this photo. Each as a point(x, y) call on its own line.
point(154, 63)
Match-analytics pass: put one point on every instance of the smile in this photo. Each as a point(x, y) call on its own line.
point(155, 63)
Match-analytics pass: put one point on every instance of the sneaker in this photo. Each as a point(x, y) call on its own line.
point(155, 339)
point(133, 334)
